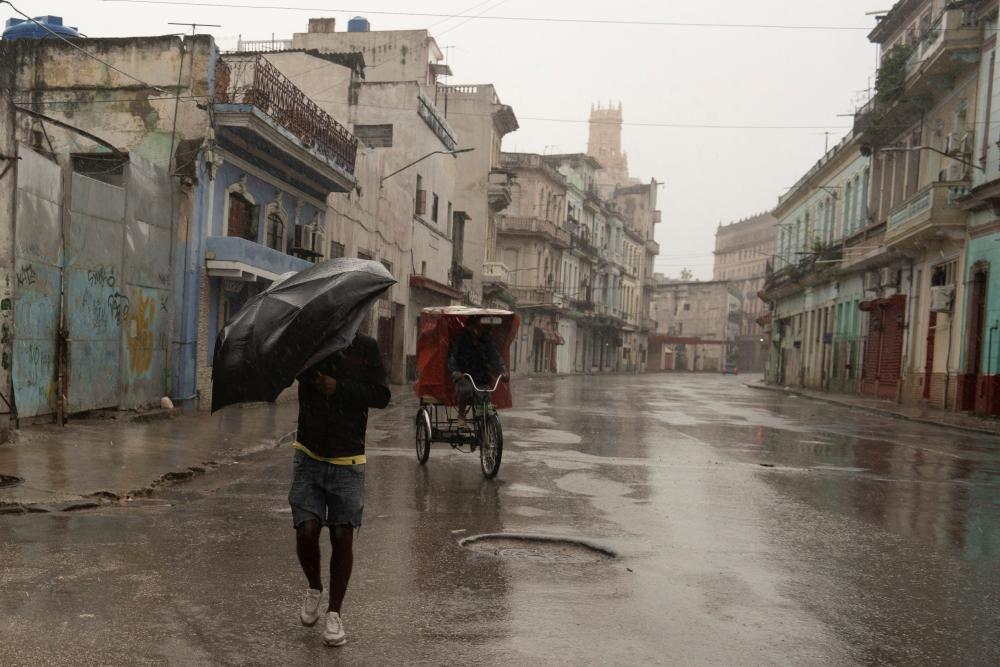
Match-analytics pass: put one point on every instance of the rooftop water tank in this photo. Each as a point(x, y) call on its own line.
point(359, 24)
point(22, 29)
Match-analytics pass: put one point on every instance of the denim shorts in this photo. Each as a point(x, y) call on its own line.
point(332, 494)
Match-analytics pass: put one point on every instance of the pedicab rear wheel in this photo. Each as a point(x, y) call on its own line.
point(423, 436)
point(491, 447)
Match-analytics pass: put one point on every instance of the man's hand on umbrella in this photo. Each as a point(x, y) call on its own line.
point(325, 384)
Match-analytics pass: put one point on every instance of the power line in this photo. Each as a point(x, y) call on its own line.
point(534, 19)
point(479, 15)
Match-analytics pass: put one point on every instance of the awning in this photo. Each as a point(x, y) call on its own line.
point(425, 283)
point(549, 333)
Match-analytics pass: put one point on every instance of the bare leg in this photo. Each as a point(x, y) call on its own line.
point(341, 563)
point(307, 548)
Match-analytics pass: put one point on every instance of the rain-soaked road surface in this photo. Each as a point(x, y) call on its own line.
point(750, 528)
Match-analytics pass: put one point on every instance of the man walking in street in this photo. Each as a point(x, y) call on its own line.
point(328, 472)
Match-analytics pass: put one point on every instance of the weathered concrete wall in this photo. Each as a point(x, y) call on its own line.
point(482, 122)
point(8, 193)
point(136, 116)
point(57, 80)
point(430, 241)
point(390, 55)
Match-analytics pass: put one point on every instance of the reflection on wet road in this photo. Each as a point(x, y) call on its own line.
point(749, 527)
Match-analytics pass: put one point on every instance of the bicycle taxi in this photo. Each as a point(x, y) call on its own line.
point(437, 419)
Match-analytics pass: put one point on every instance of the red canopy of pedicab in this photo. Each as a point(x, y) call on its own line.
point(438, 326)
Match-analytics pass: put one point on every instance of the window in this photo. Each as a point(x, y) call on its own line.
point(388, 265)
point(450, 217)
point(275, 234)
point(242, 221)
point(423, 268)
point(374, 136)
point(434, 207)
point(687, 306)
point(99, 166)
point(420, 202)
point(364, 254)
point(336, 250)
point(944, 274)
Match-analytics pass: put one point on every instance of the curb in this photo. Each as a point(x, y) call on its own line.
point(103, 498)
point(874, 410)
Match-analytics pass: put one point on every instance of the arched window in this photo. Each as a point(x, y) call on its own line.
point(242, 221)
point(275, 236)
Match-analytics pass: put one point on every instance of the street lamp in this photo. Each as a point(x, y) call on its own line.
point(451, 153)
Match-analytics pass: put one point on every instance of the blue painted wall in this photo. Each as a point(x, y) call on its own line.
point(985, 249)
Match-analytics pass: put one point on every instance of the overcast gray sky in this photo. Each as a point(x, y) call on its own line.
point(663, 75)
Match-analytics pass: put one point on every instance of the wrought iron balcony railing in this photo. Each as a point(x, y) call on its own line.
point(255, 81)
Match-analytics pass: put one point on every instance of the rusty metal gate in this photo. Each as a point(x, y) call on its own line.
point(115, 307)
point(37, 284)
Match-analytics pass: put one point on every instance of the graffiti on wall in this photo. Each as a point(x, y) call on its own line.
point(139, 333)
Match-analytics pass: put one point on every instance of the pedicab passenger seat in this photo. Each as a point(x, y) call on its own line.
point(437, 328)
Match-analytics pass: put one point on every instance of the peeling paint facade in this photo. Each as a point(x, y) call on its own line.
point(127, 272)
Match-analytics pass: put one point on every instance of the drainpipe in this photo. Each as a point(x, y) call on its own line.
point(989, 361)
point(947, 361)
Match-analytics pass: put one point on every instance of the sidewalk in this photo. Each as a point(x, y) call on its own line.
point(914, 413)
point(93, 461)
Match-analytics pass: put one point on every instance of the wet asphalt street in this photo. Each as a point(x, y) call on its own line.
point(749, 528)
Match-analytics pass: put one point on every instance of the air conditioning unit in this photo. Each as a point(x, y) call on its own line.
point(952, 142)
point(889, 277)
point(873, 281)
point(942, 298)
point(420, 205)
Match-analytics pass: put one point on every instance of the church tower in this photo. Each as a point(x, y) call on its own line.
point(605, 144)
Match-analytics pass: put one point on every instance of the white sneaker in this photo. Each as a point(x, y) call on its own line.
point(310, 607)
point(333, 634)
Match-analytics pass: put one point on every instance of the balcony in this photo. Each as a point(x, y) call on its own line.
point(648, 324)
point(932, 212)
point(496, 273)
point(538, 296)
point(263, 118)
point(498, 191)
point(236, 258)
point(583, 244)
point(521, 226)
point(652, 247)
point(582, 305)
point(950, 46)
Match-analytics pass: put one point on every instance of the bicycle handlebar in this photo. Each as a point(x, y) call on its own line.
point(488, 391)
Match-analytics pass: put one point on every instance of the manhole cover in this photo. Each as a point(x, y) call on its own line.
point(9, 480)
point(536, 548)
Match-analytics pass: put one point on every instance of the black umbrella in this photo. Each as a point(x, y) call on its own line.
point(291, 326)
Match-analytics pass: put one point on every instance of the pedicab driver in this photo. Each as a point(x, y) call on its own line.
point(328, 473)
point(474, 352)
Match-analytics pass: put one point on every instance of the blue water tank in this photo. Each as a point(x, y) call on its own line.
point(359, 24)
point(22, 29)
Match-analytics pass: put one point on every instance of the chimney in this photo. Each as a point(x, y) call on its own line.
point(322, 25)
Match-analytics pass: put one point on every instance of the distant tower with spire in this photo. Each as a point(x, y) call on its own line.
point(605, 144)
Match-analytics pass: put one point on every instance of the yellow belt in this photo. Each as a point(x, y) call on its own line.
point(358, 459)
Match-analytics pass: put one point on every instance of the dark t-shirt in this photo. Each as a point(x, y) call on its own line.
point(335, 426)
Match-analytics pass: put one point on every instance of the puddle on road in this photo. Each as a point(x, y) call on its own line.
point(547, 436)
point(528, 415)
point(525, 491)
point(591, 485)
point(537, 549)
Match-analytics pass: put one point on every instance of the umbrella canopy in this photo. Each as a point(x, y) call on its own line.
point(294, 324)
